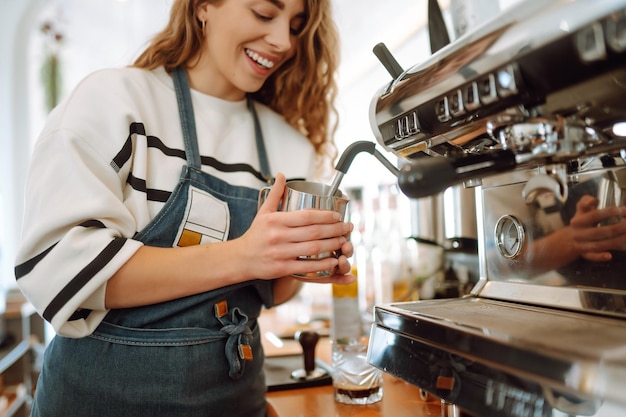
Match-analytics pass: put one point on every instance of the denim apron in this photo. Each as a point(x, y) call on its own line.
point(198, 356)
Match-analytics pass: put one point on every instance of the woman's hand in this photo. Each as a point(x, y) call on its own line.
point(591, 237)
point(275, 239)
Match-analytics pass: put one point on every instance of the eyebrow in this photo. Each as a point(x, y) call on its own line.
point(281, 6)
point(278, 4)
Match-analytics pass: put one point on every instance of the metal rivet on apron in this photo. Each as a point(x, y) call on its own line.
point(221, 309)
point(245, 352)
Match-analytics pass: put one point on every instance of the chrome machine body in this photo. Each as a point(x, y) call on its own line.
point(526, 110)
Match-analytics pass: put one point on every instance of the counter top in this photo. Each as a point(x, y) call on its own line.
point(400, 399)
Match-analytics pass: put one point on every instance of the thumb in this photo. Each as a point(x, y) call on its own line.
point(586, 203)
point(272, 201)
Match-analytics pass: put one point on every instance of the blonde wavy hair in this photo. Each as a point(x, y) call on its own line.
point(303, 89)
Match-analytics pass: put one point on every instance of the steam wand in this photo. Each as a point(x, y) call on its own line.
point(429, 176)
point(348, 156)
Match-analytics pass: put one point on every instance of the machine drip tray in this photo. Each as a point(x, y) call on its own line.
point(494, 357)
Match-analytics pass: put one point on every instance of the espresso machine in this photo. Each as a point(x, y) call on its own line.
point(527, 110)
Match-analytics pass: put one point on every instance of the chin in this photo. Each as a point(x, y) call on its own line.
point(252, 88)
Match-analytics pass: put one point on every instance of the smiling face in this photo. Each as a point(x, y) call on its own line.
point(245, 42)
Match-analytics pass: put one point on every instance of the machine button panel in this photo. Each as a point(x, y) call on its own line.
point(485, 91)
point(407, 125)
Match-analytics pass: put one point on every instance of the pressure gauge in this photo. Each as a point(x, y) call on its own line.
point(510, 236)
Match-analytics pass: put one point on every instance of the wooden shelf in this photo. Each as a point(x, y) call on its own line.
point(12, 353)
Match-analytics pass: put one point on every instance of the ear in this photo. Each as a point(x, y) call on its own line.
point(202, 11)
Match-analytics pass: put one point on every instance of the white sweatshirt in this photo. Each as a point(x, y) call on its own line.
point(119, 129)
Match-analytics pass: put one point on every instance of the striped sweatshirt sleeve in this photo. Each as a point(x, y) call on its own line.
point(76, 233)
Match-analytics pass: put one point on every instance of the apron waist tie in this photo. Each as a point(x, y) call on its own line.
point(237, 349)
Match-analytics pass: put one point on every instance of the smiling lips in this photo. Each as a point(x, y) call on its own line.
point(263, 62)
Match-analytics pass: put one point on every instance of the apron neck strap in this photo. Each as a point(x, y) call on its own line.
point(260, 143)
point(188, 124)
point(187, 121)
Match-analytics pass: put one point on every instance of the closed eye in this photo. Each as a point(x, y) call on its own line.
point(262, 17)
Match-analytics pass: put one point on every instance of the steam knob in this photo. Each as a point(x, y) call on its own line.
point(308, 340)
point(389, 62)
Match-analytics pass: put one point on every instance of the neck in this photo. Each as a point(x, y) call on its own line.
point(205, 78)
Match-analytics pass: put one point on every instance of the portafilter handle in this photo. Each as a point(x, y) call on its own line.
point(348, 156)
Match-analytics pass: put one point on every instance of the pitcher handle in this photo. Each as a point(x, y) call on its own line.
point(263, 195)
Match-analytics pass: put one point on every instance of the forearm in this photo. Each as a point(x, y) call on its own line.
point(553, 251)
point(285, 289)
point(154, 275)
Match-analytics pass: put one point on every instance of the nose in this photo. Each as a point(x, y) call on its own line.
point(279, 35)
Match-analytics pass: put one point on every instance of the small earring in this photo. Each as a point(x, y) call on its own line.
point(203, 26)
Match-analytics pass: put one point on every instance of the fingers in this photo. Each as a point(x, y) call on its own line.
point(593, 217)
point(343, 266)
point(596, 242)
point(272, 201)
point(340, 266)
point(278, 239)
point(314, 247)
point(335, 279)
point(305, 217)
point(319, 232)
point(586, 203)
point(597, 256)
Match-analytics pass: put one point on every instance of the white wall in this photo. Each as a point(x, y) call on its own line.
point(99, 33)
point(16, 23)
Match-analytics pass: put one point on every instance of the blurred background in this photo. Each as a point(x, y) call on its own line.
point(48, 46)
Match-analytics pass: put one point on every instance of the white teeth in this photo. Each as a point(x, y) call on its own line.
point(259, 60)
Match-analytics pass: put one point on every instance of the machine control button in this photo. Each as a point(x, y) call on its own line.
point(407, 125)
point(413, 123)
point(442, 110)
point(615, 31)
point(590, 43)
point(487, 89)
point(471, 99)
point(455, 103)
point(398, 130)
point(505, 81)
point(510, 236)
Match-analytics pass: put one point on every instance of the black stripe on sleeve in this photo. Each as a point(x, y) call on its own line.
point(125, 153)
point(83, 277)
point(26, 267)
point(80, 314)
point(93, 223)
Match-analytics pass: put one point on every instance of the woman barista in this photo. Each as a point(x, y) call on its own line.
point(142, 244)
